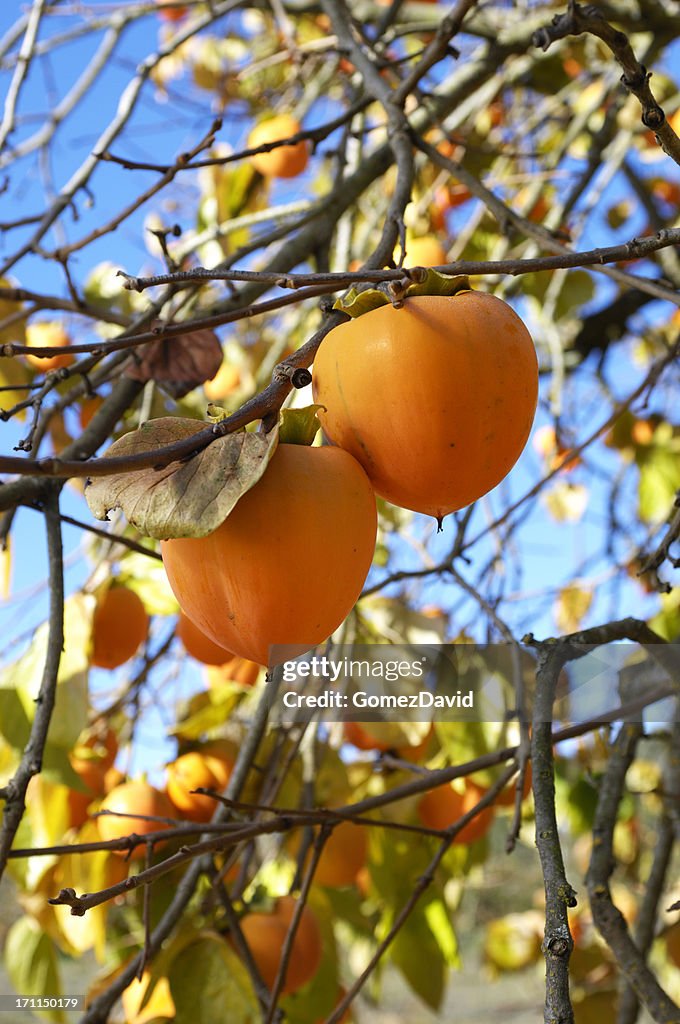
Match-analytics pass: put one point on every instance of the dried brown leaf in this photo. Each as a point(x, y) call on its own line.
point(181, 363)
point(185, 499)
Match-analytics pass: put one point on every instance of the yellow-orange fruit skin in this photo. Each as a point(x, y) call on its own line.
point(127, 800)
point(193, 771)
point(103, 743)
point(237, 670)
point(426, 251)
point(119, 626)
point(443, 806)
point(198, 645)
point(287, 565)
point(284, 161)
point(265, 934)
point(343, 857)
point(435, 400)
point(43, 334)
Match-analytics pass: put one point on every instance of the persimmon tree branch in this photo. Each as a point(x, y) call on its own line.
point(14, 793)
point(588, 18)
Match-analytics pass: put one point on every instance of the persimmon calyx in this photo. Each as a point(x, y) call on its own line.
point(357, 302)
point(299, 426)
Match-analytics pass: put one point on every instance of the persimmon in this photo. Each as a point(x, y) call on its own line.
point(119, 626)
point(553, 449)
point(226, 380)
point(237, 670)
point(426, 251)
point(127, 802)
point(94, 754)
point(48, 333)
point(506, 797)
point(435, 399)
point(265, 935)
point(198, 645)
point(220, 756)
point(443, 806)
point(89, 407)
point(344, 855)
point(79, 807)
point(160, 1003)
point(238, 585)
point(189, 772)
point(170, 11)
point(363, 739)
point(283, 161)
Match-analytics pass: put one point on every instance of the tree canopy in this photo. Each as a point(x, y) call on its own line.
point(198, 198)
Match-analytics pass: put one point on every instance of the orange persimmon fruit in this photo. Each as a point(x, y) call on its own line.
point(93, 755)
point(189, 772)
point(283, 161)
point(198, 645)
point(288, 563)
point(435, 399)
point(236, 670)
point(265, 934)
point(47, 333)
point(443, 805)
point(119, 626)
point(127, 801)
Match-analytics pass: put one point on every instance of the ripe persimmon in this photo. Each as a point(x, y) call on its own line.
point(344, 855)
point(198, 645)
point(237, 670)
point(365, 739)
point(265, 935)
point(119, 626)
point(127, 801)
point(435, 399)
point(426, 251)
point(506, 797)
point(189, 772)
point(94, 754)
point(176, 12)
point(443, 805)
point(238, 584)
point(47, 333)
point(283, 161)
point(89, 407)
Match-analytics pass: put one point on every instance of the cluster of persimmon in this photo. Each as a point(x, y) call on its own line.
point(428, 406)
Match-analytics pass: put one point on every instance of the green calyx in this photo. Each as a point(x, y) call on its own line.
point(357, 302)
point(299, 426)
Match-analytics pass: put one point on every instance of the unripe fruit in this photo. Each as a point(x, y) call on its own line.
point(435, 399)
point(128, 801)
point(119, 626)
point(288, 563)
point(284, 161)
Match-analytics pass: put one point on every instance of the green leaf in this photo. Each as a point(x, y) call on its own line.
point(357, 301)
point(185, 499)
point(207, 710)
point(31, 962)
point(20, 686)
point(659, 482)
point(419, 957)
point(148, 579)
point(207, 977)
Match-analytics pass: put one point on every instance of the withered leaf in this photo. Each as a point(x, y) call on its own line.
point(179, 364)
point(185, 499)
